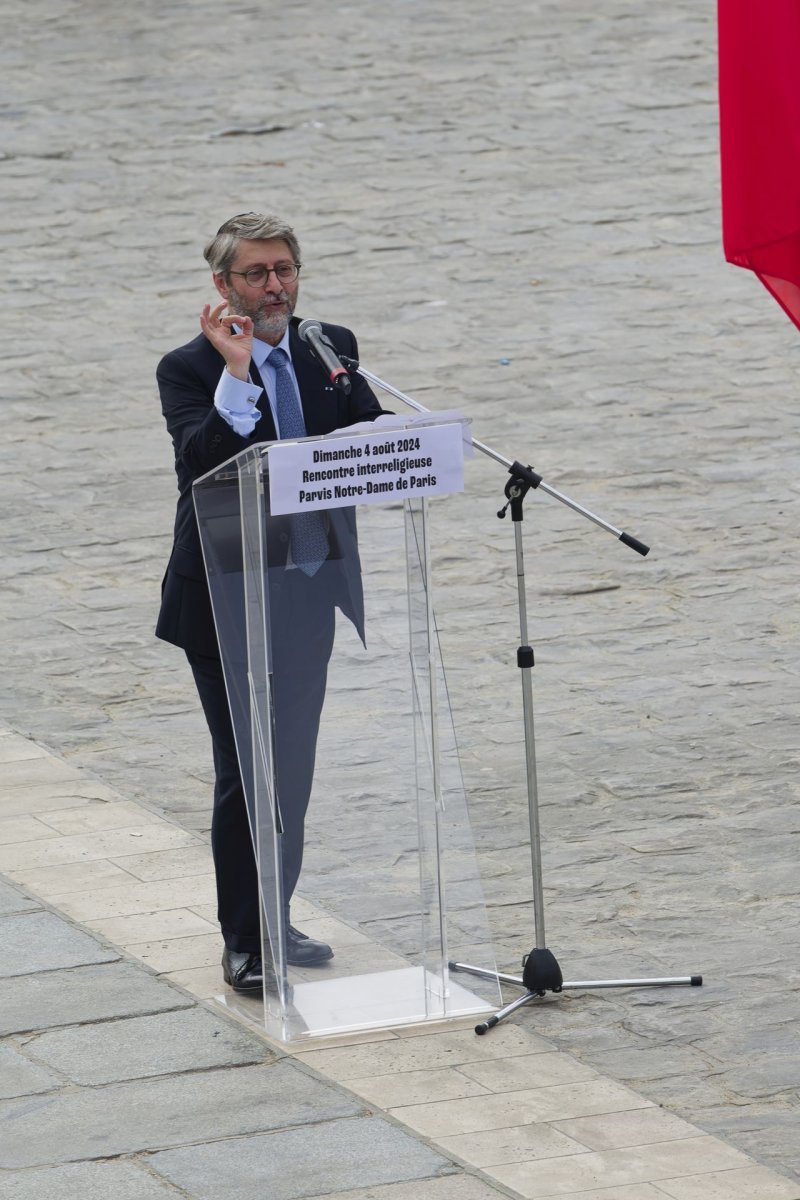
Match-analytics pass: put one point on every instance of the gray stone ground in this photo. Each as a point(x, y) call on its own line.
point(537, 183)
point(114, 1082)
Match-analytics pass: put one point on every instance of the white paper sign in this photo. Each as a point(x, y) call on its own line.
point(366, 468)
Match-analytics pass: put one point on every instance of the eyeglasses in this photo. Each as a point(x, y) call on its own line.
point(286, 272)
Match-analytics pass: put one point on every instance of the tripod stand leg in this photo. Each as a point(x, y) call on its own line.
point(667, 981)
point(574, 985)
point(483, 973)
point(501, 1015)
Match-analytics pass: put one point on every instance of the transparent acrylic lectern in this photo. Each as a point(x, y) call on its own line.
point(389, 876)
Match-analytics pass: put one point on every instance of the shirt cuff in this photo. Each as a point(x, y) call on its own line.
point(235, 400)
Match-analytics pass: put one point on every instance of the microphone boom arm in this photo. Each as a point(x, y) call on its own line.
point(526, 475)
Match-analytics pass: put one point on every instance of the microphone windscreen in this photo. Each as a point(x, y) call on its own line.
point(306, 327)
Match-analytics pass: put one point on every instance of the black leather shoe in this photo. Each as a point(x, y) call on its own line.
point(243, 972)
point(303, 951)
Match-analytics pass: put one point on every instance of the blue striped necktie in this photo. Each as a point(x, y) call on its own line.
point(309, 540)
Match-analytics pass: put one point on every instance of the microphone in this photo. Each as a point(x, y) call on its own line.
point(323, 351)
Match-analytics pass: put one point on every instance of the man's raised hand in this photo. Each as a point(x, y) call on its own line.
point(235, 348)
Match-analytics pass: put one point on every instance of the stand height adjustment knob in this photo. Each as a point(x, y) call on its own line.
point(525, 656)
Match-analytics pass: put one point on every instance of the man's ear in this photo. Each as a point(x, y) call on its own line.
point(221, 285)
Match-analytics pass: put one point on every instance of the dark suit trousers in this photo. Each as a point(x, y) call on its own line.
point(302, 624)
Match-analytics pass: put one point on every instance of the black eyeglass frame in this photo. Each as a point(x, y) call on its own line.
point(281, 267)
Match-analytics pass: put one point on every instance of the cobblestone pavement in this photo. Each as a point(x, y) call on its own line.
point(520, 217)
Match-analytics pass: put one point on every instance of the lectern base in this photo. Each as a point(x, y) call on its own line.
point(326, 1007)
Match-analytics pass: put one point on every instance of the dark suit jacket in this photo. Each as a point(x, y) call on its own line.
point(202, 439)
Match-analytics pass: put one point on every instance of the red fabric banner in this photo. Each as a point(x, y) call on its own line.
point(759, 101)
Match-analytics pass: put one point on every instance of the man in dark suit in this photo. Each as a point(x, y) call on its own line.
point(248, 378)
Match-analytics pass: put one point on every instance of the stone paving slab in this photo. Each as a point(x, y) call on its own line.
point(168, 864)
point(149, 1114)
point(57, 851)
point(541, 1070)
point(45, 797)
point(23, 829)
point(162, 925)
point(186, 953)
point(615, 1168)
point(514, 1143)
point(86, 1181)
point(294, 1163)
point(426, 1050)
point(20, 1077)
point(158, 1044)
point(130, 899)
point(96, 993)
point(493, 1111)
point(38, 941)
point(634, 1191)
point(742, 1184)
point(95, 816)
point(14, 748)
point(449, 1187)
point(12, 901)
point(643, 1127)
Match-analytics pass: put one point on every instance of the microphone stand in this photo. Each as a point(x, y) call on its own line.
point(541, 972)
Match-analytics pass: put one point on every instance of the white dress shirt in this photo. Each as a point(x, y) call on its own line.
point(235, 399)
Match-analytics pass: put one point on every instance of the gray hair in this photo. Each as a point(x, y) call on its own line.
point(221, 250)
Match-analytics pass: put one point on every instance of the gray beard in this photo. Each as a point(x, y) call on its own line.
point(267, 326)
point(270, 327)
